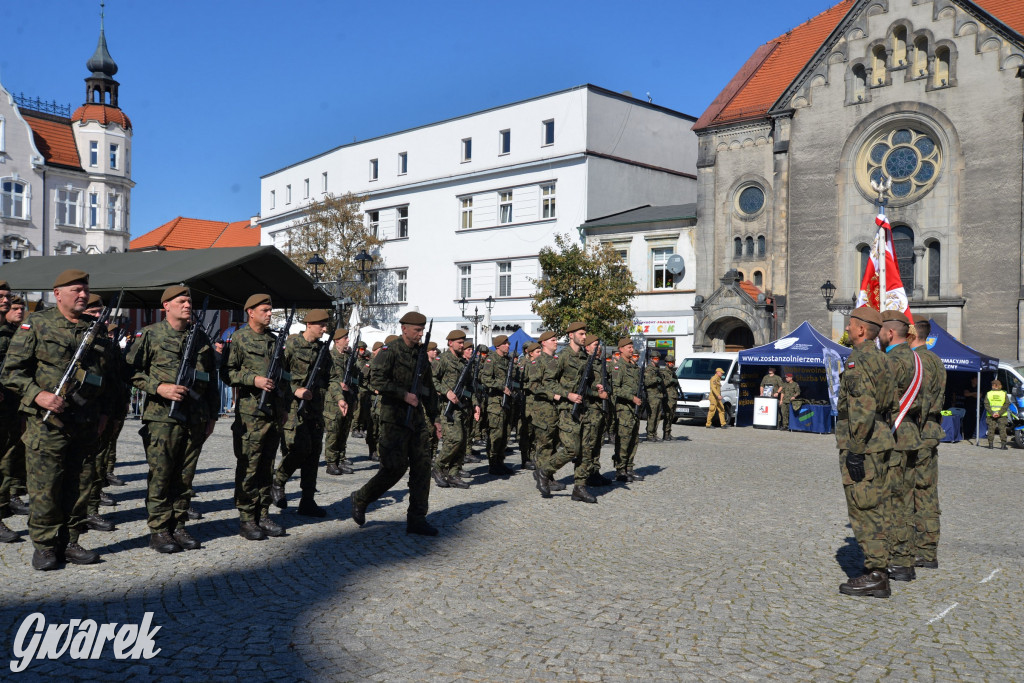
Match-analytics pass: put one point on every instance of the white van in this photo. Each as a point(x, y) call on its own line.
point(694, 373)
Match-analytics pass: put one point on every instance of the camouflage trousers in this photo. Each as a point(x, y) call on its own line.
point(300, 450)
point(455, 438)
point(12, 462)
point(373, 424)
point(996, 425)
point(497, 431)
point(60, 468)
point(923, 481)
point(337, 428)
point(543, 424)
point(401, 450)
point(594, 440)
point(524, 435)
point(869, 505)
point(577, 444)
point(432, 442)
point(668, 416)
point(626, 437)
point(657, 403)
point(255, 442)
point(106, 451)
point(784, 413)
point(899, 481)
point(172, 451)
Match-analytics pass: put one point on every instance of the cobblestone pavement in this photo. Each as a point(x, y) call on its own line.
point(723, 564)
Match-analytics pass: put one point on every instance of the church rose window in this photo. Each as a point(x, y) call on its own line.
point(909, 156)
point(751, 200)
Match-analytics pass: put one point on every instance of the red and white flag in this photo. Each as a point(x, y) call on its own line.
point(895, 295)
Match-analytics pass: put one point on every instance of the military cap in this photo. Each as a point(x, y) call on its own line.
point(317, 315)
point(455, 334)
point(547, 335)
point(895, 316)
point(531, 347)
point(590, 339)
point(789, 374)
point(432, 346)
point(340, 333)
point(94, 300)
point(483, 350)
point(499, 340)
point(868, 315)
point(377, 345)
point(173, 292)
point(576, 326)
point(112, 326)
point(413, 318)
point(390, 338)
point(71, 276)
point(721, 370)
point(17, 301)
point(4, 285)
point(361, 345)
point(257, 300)
point(469, 342)
point(625, 341)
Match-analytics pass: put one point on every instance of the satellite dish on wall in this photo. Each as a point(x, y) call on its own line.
point(676, 265)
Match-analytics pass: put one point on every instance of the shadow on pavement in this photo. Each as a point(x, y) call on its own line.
point(850, 558)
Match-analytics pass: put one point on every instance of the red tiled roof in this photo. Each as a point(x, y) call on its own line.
point(751, 289)
point(102, 113)
point(773, 66)
point(54, 139)
point(194, 233)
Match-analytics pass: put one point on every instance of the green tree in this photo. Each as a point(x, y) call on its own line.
point(589, 284)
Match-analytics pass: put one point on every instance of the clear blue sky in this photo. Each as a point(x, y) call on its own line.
point(221, 92)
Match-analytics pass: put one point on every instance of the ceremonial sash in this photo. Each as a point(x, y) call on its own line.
point(910, 394)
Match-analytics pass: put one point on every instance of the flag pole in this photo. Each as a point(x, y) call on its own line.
point(882, 187)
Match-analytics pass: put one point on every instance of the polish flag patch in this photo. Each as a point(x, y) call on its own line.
point(851, 364)
point(26, 326)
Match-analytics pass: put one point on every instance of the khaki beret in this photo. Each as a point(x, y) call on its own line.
point(71, 276)
point(257, 300)
point(868, 315)
point(721, 370)
point(390, 338)
point(531, 347)
point(432, 346)
point(413, 318)
point(590, 339)
point(377, 345)
point(547, 335)
point(94, 300)
point(625, 341)
point(576, 326)
point(895, 316)
point(17, 301)
point(112, 326)
point(469, 343)
point(340, 333)
point(173, 292)
point(317, 315)
point(361, 345)
point(499, 340)
point(4, 285)
point(455, 334)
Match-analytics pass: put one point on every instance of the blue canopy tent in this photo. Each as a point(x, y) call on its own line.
point(517, 340)
point(805, 353)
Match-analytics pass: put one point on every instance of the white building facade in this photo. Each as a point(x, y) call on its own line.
point(465, 205)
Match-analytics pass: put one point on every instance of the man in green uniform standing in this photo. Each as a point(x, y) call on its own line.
point(493, 372)
point(671, 384)
point(996, 406)
point(771, 380)
point(405, 418)
point(866, 397)
point(173, 443)
point(302, 432)
point(60, 452)
point(655, 394)
point(455, 431)
point(543, 394)
point(923, 476)
point(625, 377)
point(256, 434)
point(786, 393)
point(338, 423)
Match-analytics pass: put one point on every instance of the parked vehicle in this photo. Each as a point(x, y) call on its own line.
point(694, 373)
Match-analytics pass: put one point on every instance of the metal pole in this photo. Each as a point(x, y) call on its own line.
point(977, 412)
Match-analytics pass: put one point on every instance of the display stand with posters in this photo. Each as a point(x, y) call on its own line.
point(766, 412)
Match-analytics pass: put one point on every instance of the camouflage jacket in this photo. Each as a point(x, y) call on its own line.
point(337, 376)
point(247, 356)
point(393, 369)
point(653, 380)
point(670, 382)
point(299, 357)
point(9, 404)
point(935, 396)
point(901, 360)
point(154, 360)
point(492, 374)
point(866, 398)
point(789, 391)
point(773, 381)
point(568, 372)
point(41, 351)
point(446, 376)
point(625, 376)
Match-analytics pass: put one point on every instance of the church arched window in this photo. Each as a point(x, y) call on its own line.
point(934, 267)
point(899, 46)
point(749, 246)
point(920, 65)
point(758, 278)
point(738, 247)
point(941, 67)
point(903, 244)
point(878, 65)
point(761, 246)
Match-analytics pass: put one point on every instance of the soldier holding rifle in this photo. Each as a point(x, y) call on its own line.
point(343, 389)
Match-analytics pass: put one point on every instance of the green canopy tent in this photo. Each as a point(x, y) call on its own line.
point(227, 275)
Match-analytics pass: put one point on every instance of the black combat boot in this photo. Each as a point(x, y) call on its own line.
point(358, 511)
point(18, 506)
point(455, 481)
point(44, 560)
point(309, 508)
point(115, 480)
point(599, 480)
point(106, 500)
point(270, 527)
point(251, 531)
point(345, 467)
point(97, 523)
point(543, 484)
point(194, 514)
point(874, 584)
point(185, 539)
point(277, 496)
point(163, 542)
point(500, 470)
point(555, 485)
point(633, 476)
point(7, 535)
point(926, 564)
point(76, 554)
point(440, 478)
point(420, 526)
point(902, 573)
point(581, 494)
point(333, 469)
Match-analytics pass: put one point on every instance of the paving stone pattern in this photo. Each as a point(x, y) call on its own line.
point(723, 565)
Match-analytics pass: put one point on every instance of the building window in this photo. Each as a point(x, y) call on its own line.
point(505, 278)
point(467, 212)
point(548, 132)
point(750, 200)
point(3, 134)
point(323, 182)
point(403, 221)
point(920, 57)
point(305, 188)
point(504, 142)
point(67, 208)
point(374, 222)
point(505, 207)
point(113, 211)
point(94, 153)
point(547, 195)
point(909, 156)
point(465, 281)
point(660, 277)
point(14, 199)
point(758, 279)
point(287, 194)
point(374, 283)
point(273, 199)
point(903, 245)
point(899, 47)
point(402, 280)
point(878, 66)
point(934, 268)
point(114, 157)
point(11, 255)
point(761, 246)
point(941, 67)
point(737, 244)
point(748, 246)
point(373, 169)
point(860, 84)
point(865, 258)
point(94, 210)
point(467, 149)
point(403, 163)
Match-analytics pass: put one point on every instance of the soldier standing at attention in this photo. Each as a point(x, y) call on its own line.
point(531, 352)
point(771, 380)
point(302, 433)
point(172, 445)
point(8, 419)
point(492, 375)
point(923, 477)
point(256, 435)
point(338, 422)
point(405, 418)
point(786, 393)
point(594, 422)
point(995, 413)
point(655, 395)
point(543, 395)
point(671, 384)
point(867, 394)
point(60, 453)
point(625, 377)
point(455, 431)
point(715, 404)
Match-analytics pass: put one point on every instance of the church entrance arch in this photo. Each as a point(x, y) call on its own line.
point(730, 334)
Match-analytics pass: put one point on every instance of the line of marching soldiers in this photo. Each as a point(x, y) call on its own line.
point(66, 384)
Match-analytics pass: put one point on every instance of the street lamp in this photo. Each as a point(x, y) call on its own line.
point(315, 261)
point(477, 316)
point(364, 260)
point(828, 290)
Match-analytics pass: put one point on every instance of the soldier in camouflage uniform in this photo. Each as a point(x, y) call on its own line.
point(173, 445)
point(455, 431)
point(543, 394)
point(524, 432)
point(302, 431)
point(405, 418)
point(655, 395)
point(116, 378)
point(594, 420)
point(8, 420)
point(923, 476)
point(866, 398)
point(786, 394)
point(338, 423)
point(107, 458)
point(671, 384)
point(625, 376)
point(59, 453)
point(359, 413)
point(12, 452)
point(372, 414)
point(433, 358)
point(493, 373)
point(256, 435)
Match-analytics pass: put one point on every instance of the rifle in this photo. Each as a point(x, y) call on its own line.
point(643, 410)
point(606, 404)
point(351, 379)
point(187, 374)
point(510, 381)
point(75, 375)
point(586, 379)
point(462, 390)
point(318, 364)
point(421, 360)
point(276, 368)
